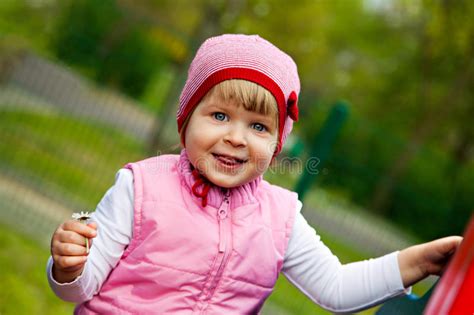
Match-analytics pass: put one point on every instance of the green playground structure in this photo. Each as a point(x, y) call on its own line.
point(320, 147)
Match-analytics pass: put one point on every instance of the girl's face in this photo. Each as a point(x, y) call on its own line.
point(228, 144)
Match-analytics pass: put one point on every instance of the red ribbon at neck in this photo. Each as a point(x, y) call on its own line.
point(206, 186)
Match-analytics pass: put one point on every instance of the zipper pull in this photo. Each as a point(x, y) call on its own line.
point(222, 215)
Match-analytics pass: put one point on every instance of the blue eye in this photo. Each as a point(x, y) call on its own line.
point(219, 116)
point(259, 127)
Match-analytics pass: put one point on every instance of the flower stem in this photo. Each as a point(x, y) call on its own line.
point(87, 240)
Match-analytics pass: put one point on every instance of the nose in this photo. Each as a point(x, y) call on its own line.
point(236, 135)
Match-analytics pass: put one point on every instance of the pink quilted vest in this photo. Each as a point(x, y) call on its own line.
point(186, 259)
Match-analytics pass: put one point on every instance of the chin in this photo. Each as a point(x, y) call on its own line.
point(225, 183)
point(229, 183)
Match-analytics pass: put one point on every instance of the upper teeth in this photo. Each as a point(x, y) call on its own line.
point(230, 159)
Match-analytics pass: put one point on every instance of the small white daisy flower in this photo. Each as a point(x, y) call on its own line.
point(82, 216)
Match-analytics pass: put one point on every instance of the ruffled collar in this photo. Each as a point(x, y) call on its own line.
point(208, 194)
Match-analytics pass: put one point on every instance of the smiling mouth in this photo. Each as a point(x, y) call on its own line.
point(228, 160)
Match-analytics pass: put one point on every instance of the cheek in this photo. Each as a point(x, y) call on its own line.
point(265, 148)
point(192, 135)
point(197, 144)
point(262, 165)
point(193, 148)
point(263, 155)
point(272, 146)
point(190, 144)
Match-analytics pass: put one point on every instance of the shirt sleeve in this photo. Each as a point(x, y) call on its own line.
point(314, 270)
point(114, 218)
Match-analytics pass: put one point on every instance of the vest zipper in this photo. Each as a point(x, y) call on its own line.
point(225, 244)
point(225, 240)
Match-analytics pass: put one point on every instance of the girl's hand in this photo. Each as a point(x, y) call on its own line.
point(68, 249)
point(419, 261)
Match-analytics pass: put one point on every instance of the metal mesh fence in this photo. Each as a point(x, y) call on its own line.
point(62, 139)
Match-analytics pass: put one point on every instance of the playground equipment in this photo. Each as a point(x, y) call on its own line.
point(453, 294)
point(321, 146)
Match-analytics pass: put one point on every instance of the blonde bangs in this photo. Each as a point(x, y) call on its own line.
point(252, 96)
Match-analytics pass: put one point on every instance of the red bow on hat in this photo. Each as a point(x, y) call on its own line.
point(292, 106)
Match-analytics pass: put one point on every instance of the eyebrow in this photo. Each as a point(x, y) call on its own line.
point(218, 105)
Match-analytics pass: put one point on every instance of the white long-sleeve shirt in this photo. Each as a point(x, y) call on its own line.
point(308, 263)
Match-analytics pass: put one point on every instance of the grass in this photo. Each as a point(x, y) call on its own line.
point(23, 278)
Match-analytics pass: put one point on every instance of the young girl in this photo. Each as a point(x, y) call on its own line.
point(202, 232)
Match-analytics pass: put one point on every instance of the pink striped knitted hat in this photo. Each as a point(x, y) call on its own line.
point(247, 57)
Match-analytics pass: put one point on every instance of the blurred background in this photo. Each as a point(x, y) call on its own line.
point(87, 86)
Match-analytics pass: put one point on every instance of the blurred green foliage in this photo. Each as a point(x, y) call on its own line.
point(109, 45)
point(433, 190)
